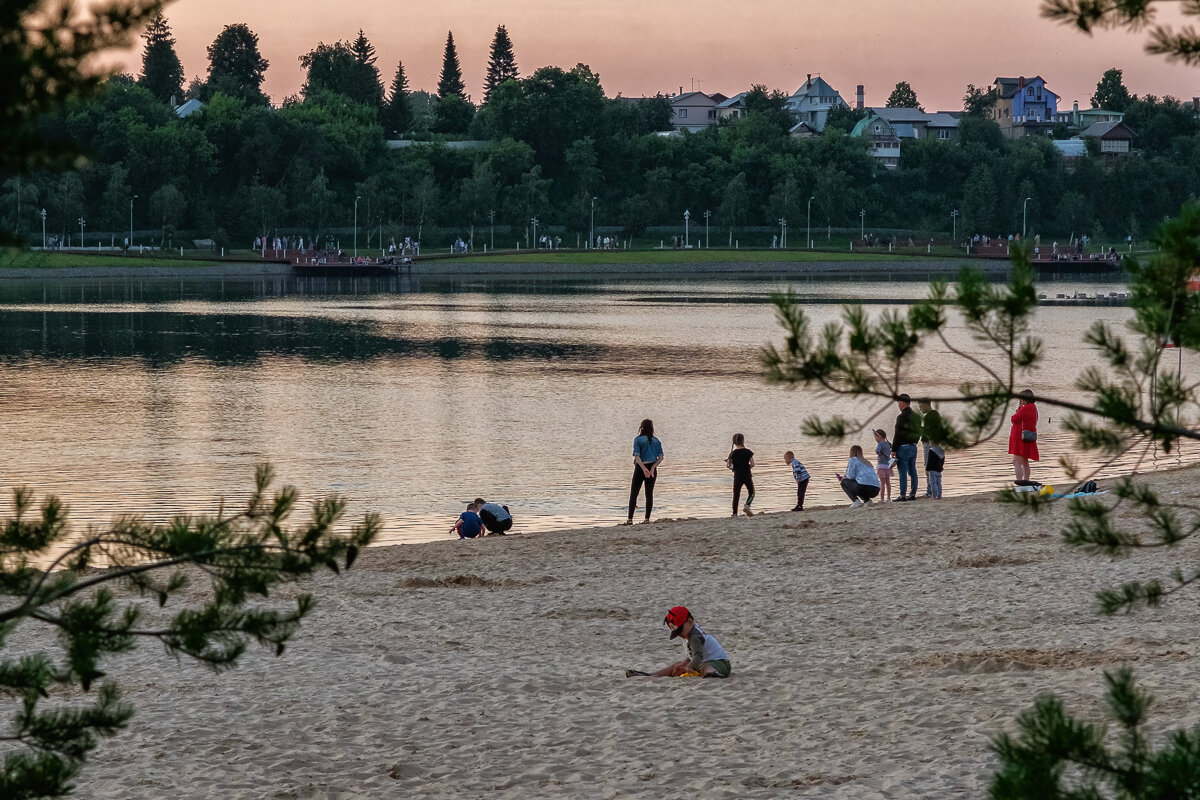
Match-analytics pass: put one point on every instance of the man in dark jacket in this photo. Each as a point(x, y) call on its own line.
point(904, 445)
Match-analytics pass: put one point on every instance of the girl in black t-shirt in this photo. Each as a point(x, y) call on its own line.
point(741, 461)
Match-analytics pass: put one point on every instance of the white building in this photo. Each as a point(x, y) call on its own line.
point(812, 102)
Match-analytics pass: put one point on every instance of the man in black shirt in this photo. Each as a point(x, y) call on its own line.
point(904, 445)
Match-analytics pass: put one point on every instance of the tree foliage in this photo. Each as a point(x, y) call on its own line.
point(1111, 93)
point(903, 96)
point(1177, 44)
point(42, 66)
point(162, 72)
point(343, 68)
point(978, 102)
point(1056, 755)
point(502, 62)
point(103, 592)
point(450, 80)
point(235, 65)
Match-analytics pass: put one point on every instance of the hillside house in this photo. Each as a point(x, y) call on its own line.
point(812, 102)
point(884, 143)
point(694, 111)
point(1024, 106)
point(1116, 138)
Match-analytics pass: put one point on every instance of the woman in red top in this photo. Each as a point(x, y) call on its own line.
point(1023, 451)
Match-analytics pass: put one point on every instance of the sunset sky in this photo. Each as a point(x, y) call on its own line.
point(647, 46)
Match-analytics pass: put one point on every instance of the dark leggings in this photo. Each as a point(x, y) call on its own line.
point(738, 482)
point(640, 478)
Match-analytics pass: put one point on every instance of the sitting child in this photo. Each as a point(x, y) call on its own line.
point(469, 524)
point(705, 658)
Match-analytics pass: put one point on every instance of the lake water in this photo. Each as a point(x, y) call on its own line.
point(413, 396)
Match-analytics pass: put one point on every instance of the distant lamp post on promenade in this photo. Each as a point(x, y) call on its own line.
point(533, 221)
point(592, 226)
point(809, 243)
point(356, 226)
point(82, 223)
point(687, 215)
point(954, 226)
point(492, 232)
point(862, 224)
point(707, 214)
point(782, 232)
point(131, 199)
point(1024, 216)
point(43, 213)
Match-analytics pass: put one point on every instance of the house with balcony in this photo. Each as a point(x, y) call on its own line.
point(812, 102)
point(694, 111)
point(1024, 106)
point(883, 141)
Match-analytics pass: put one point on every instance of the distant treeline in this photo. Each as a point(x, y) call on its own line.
point(554, 148)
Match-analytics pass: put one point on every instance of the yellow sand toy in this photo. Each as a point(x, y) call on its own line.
point(1046, 490)
point(690, 675)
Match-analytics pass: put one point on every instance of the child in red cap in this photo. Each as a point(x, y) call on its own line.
point(706, 657)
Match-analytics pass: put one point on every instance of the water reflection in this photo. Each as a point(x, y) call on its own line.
point(413, 399)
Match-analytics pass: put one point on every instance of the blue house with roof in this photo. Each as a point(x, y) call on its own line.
point(1024, 105)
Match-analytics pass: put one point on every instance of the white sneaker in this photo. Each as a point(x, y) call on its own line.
point(868, 502)
point(856, 504)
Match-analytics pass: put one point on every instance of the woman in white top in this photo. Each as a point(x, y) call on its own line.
point(860, 483)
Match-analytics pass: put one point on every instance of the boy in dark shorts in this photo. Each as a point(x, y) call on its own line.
point(706, 657)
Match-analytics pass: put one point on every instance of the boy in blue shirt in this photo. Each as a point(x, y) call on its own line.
point(469, 524)
point(801, 475)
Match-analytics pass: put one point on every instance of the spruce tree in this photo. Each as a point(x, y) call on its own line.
point(368, 82)
point(162, 72)
point(450, 81)
point(502, 63)
point(398, 113)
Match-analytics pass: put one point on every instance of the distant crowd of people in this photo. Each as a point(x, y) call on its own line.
point(1076, 250)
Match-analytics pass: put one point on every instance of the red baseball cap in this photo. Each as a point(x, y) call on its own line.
point(675, 619)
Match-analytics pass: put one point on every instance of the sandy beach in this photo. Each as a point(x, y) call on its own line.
point(874, 652)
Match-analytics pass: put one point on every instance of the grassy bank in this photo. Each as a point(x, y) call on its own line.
point(24, 259)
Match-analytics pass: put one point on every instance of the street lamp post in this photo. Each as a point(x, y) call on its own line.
point(43, 229)
point(82, 223)
point(782, 228)
point(862, 224)
point(533, 220)
point(954, 226)
point(492, 232)
point(592, 226)
point(356, 226)
point(1024, 215)
point(131, 199)
point(687, 215)
point(707, 214)
point(808, 243)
